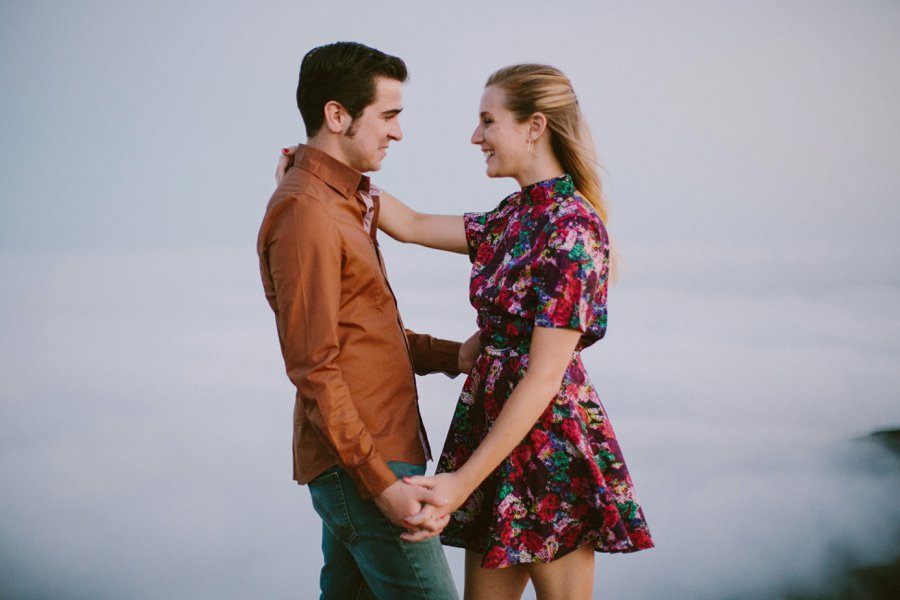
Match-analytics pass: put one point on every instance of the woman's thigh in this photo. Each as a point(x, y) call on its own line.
point(493, 584)
point(568, 578)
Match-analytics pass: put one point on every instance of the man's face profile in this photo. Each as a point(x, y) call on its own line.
point(366, 139)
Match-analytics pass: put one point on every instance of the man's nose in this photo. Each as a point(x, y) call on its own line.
point(396, 132)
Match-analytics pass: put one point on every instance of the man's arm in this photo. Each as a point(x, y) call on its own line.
point(434, 355)
point(305, 263)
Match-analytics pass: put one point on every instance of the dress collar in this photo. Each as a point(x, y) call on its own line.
point(542, 192)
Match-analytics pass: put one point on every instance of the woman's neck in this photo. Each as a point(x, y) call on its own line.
point(541, 165)
point(541, 168)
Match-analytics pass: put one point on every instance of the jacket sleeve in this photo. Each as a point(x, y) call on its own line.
point(305, 262)
point(433, 355)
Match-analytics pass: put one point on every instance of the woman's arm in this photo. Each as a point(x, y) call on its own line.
point(550, 355)
point(444, 232)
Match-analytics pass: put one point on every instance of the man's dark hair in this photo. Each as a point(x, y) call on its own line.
point(344, 72)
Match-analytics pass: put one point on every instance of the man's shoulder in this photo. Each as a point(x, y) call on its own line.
point(299, 183)
point(300, 203)
point(300, 191)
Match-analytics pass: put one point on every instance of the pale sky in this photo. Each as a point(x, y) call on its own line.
point(715, 120)
point(750, 153)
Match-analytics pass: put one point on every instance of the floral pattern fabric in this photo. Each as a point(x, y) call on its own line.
point(540, 259)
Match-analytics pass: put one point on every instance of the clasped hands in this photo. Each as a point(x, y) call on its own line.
point(422, 505)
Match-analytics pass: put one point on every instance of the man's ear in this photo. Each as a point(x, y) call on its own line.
point(336, 117)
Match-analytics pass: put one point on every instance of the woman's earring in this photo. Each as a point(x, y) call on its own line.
point(531, 147)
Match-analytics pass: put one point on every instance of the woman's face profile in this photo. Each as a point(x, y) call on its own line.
point(503, 141)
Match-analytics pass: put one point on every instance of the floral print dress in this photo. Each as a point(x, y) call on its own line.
point(540, 259)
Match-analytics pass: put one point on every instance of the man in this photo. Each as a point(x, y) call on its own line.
point(357, 428)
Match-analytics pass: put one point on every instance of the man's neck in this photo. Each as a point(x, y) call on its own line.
point(329, 146)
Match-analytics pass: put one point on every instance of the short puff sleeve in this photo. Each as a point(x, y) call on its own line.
point(475, 224)
point(569, 276)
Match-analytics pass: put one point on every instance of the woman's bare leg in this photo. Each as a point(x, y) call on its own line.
point(493, 584)
point(568, 578)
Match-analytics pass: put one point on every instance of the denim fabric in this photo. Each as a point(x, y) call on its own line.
point(364, 555)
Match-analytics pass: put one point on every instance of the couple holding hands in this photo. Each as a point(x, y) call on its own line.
point(531, 480)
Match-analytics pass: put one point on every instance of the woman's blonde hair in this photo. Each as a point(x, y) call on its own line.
point(532, 88)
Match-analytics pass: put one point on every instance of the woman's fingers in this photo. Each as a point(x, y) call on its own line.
point(434, 527)
point(284, 162)
point(420, 480)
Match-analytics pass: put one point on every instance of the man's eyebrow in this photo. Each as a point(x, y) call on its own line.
point(392, 112)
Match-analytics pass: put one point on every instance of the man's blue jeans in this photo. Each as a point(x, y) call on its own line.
point(364, 555)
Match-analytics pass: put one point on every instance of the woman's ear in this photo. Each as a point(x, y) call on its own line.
point(537, 125)
point(335, 116)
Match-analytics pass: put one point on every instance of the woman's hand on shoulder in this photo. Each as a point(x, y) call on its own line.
point(285, 161)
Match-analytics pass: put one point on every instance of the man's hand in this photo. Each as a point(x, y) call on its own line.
point(468, 352)
point(401, 500)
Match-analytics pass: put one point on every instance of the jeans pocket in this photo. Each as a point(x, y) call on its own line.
point(330, 502)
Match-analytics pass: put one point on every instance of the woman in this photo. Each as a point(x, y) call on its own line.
point(531, 467)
